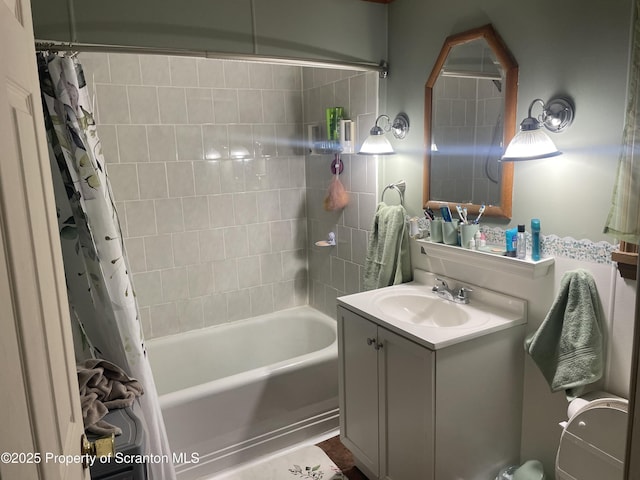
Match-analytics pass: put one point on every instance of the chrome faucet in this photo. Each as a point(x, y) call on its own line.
point(443, 291)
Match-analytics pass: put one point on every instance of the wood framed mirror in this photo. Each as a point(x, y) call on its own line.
point(469, 118)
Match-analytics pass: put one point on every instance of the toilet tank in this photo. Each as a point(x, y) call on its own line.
point(593, 442)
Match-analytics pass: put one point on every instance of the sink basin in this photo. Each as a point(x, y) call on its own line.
point(413, 310)
point(423, 310)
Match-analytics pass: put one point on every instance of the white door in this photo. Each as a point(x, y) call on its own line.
point(40, 415)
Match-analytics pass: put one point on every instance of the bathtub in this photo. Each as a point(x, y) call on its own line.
point(233, 392)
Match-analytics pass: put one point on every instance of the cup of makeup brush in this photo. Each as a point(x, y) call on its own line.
point(435, 228)
point(450, 232)
point(467, 233)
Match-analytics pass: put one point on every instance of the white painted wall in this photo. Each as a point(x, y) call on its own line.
point(579, 48)
point(344, 30)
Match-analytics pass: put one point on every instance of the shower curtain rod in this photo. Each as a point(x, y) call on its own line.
point(53, 46)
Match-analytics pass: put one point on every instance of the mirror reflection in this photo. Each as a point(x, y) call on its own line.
point(469, 117)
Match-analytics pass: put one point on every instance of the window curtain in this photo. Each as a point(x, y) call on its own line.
point(101, 296)
point(623, 221)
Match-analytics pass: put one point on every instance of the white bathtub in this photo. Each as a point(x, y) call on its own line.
point(233, 392)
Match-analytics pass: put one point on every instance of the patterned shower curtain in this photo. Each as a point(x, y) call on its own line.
point(623, 221)
point(102, 301)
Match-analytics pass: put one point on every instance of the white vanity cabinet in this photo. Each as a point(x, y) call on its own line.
point(408, 412)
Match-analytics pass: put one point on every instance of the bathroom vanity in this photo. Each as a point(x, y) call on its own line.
point(429, 388)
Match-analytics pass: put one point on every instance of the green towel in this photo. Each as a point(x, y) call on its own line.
point(387, 262)
point(569, 345)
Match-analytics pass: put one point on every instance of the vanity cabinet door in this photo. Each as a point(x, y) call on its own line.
point(358, 379)
point(406, 376)
point(386, 400)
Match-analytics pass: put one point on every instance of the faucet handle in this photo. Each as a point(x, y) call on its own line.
point(462, 294)
point(442, 282)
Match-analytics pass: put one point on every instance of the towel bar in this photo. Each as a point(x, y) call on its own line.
point(398, 187)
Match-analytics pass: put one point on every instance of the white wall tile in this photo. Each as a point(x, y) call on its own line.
point(271, 267)
point(134, 248)
point(221, 213)
point(225, 106)
point(148, 288)
point(196, 213)
point(245, 207)
point(238, 305)
point(232, 174)
point(236, 242)
point(215, 309)
point(274, 106)
point(141, 218)
point(190, 314)
point(113, 104)
point(124, 68)
point(123, 178)
point(183, 71)
point(199, 105)
point(259, 238)
point(152, 180)
point(180, 179)
point(132, 144)
point(250, 106)
point(158, 249)
point(109, 143)
point(95, 66)
point(284, 295)
point(175, 284)
point(161, 140)
point(155, 70)
point(268, 205)
point(169, 215)
point(261, 75)
point(172, 103)
point(236, 74)
point(225, 274)
point(207, 177)
point(282, 235)
point(143, 104)
point(261, 300)
point(189, 142)
point(186, 248)
point(248, 272)
point(287, 78)
point(164, 319)
point(208, 236)
point(215, 140)
point(210, 72)
point(211, 244)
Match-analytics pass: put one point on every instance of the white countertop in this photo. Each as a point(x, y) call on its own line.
point(487, 311)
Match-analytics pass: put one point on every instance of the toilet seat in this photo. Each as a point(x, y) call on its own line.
point(593, 442)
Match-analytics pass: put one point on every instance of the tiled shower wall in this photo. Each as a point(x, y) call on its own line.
point(210, 238)
point(335, 271)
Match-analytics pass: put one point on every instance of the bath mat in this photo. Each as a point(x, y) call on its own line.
point(304, 463)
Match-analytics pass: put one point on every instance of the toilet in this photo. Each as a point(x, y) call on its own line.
point(593, 441)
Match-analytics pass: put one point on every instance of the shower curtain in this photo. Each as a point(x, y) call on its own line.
point(623, 221)
point(102, 300)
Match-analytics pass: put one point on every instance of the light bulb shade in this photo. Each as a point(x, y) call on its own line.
point(530, 144)
point(376, 145)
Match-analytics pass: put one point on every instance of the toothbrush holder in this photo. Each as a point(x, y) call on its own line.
point(450, 232)
point(435, 228)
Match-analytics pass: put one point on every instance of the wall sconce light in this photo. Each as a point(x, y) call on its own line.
point(377, 143)
point(531, 142)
